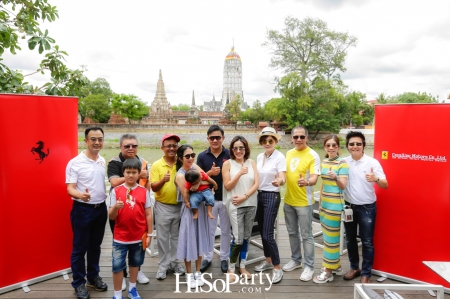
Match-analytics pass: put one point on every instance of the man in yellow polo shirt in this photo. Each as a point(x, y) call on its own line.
point(302, 170)
point(167, 209)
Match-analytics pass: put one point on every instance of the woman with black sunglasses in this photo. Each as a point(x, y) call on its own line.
point(240, 180)
point(193, 239)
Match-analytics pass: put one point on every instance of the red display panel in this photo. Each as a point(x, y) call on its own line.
point(40, 135)
point(413, 223)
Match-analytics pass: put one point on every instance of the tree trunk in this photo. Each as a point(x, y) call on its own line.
point(315, 135)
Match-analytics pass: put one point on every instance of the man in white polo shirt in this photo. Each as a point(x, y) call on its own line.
point(85, 179)
point(364, 173)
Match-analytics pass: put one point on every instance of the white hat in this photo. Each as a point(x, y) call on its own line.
point(269, 131)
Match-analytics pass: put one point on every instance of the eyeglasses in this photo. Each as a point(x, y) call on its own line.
point(171, 146)
point(355, 143)
point(212, 138)
point(93, 139)
point(299, 136)
point(331, 145)
point(130, 146)
point(239, 149)
point(188, 156)
point(269, 141)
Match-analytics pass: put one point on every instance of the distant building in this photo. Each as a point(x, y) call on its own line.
point(232, 80)
point(160, 108)
point(212, 105)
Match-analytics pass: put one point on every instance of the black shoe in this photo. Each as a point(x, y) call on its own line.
point(81, 292)
point(224, 266)
point(98, 284)
point(205, 265)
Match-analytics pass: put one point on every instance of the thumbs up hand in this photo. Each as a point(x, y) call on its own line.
point(214, 170)
point(331, 174)
point(167, 176)
point(85, 196)
point(302, 182)
point(244, 169)
point(276, 182)
point(119, 204)
point(370, 177)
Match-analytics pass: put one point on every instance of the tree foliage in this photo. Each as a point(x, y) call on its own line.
point(129, 106)
point(407, 97)
point(98, 86)
point(20, 19)
point(255, 114)
point(181, 107)
point(233, 110)
point(308, 48)
point(95, 106)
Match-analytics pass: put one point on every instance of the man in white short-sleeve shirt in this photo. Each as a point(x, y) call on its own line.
point(85, 179)
point(364, 173)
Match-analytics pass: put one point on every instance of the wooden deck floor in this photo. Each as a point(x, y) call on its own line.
point(289, 287)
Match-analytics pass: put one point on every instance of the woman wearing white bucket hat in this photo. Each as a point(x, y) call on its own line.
point(271, 166)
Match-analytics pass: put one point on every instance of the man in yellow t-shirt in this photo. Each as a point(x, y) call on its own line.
point(302, 171)
point(167, 209)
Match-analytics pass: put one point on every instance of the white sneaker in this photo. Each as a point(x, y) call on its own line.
point(323, 277)
point(198, 278)
point(190, 279)
point(307, 274)
point(141, 278)
point(291, 265)
point(124, 284)
point(337, 271)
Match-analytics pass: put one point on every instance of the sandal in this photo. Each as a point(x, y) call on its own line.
point(323, 277)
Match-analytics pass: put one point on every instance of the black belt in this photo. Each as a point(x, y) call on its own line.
point(78, 203)
point(262, 191)
point(370, 205)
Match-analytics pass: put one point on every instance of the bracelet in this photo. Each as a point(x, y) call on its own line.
point(150, 235)
point(246, 196)
point(307, 181)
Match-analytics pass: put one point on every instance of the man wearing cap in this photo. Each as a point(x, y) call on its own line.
point(167, 209)
point(213, 159)
point(302, 171)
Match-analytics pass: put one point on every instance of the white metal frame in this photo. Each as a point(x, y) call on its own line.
point(359, 292)
point(25, 284)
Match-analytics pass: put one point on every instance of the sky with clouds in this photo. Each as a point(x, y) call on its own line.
point(403, 45)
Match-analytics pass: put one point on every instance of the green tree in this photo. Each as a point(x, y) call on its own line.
point(181, 107)
point(20, 19)
point(254, 114)
point(98, 86)
point(233, 110)
point(276, 109)
point(355, 110)
point(129, 106)
point(314, 105)
point(95, 106)
point(308, 48)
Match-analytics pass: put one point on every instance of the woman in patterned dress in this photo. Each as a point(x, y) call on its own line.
point(193, 240)
point(334, 175)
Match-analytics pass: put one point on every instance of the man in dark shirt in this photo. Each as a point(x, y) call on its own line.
point(128, 150)
point(211, 161)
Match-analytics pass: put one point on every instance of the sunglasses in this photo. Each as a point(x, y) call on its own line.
point(130, 146)
point(239, 149)
point(331, 145)
point(299, 136)
point(269, 141)
point(355, 143)
point(188, 156)
point(171, 146)
point(212, 138)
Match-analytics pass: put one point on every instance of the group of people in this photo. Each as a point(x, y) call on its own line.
point(188, 199)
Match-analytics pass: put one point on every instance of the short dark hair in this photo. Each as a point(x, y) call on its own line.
point(244, 141)
point(299, 128)
point(88, 129)
point(214, 128)
point(127, 136)
point(180, 153)
point(132, 163)
point(191, 175)
point(352, 134)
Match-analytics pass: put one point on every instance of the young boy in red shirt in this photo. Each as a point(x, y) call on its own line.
point(131, 209)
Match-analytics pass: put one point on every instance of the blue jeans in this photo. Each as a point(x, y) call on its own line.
point(119, 254)
point(196, 197)
point(364, 216)
point(88, 227)
point(295, 217)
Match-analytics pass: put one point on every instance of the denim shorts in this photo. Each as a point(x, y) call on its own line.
point(119, 254)
point(196, 197)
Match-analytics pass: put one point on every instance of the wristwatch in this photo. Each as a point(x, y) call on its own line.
point(378, 179)
point(307, 181)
